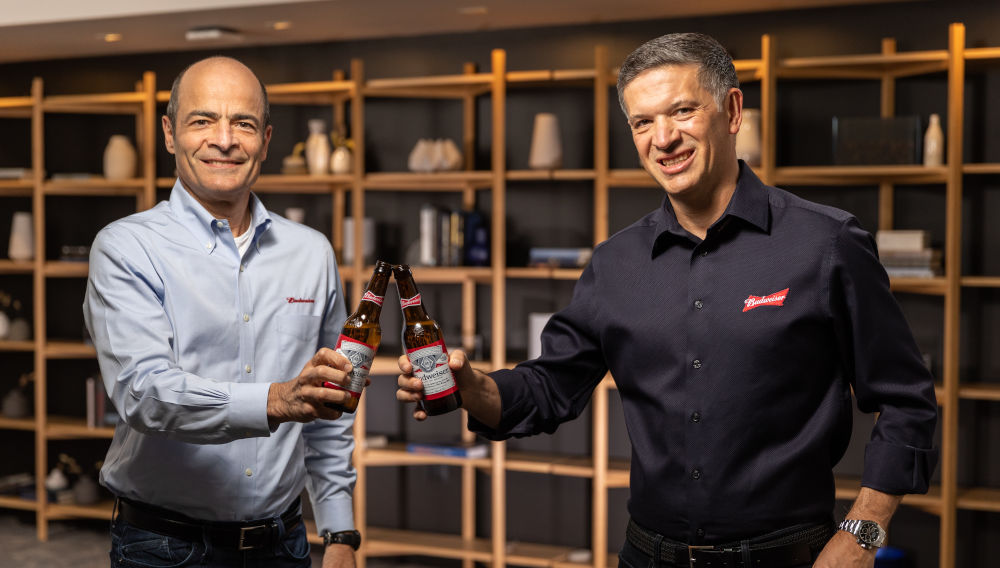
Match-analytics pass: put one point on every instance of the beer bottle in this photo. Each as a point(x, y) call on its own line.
point(361, 335)
point(424, 345)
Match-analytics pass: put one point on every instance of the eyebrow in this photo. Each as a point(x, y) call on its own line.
point(217, 116)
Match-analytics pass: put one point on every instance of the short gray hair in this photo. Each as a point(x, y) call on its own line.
point(174, 93)
point(715, 67)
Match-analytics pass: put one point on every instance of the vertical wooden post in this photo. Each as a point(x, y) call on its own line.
point(886, 190)
point(601, 135)
point(769, 108)
point(38, 281)
point(499, 265)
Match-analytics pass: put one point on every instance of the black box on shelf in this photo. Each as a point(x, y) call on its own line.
point(865, 141)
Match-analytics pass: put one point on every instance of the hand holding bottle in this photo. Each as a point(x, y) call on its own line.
point(480, 396)
point(304, 398)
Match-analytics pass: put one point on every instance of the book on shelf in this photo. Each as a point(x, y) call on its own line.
point(559, 257)
point(452, 449)
point(444, 240)
point(100, 410)
point(899, 240)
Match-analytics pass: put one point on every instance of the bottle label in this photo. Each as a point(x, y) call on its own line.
point(361, 356)
point(430, 365)
point(370, 297)
point(409, 302)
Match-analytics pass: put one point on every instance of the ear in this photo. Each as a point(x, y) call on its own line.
point(168, 133)
point(267, 140)
point(734, 108)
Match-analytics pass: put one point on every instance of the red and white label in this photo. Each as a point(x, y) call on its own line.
point(775, 299)
point(430, 365)
point(371, 297)
point(409, 302)
point(360, 355)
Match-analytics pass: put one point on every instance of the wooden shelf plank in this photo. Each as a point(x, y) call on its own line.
point(101, 511)
point(395, 542)
point(272, 183)
point(8, 502)
point(983, 168)
point(630, 178)
point(66, 269)
point(69, 428)
point(864, 66)
point(982, 53)
point(104, 103)
point(61, 349)
point(439, 86)
point(26, 424)
point(93, 187)
point(550, 175)
point(980, 391)
point(981, 281)
point(859, 175)
point(8, 266)
point(395, 454)
point(436, 181)
point(544, 272)
point(936, 286)
point(16, 187)
point(26, 346)
point(848, 488)
point(979, 499)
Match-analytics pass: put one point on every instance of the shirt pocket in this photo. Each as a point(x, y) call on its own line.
point(298, 337)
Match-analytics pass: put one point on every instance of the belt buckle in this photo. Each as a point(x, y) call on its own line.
point(692, 548)
point(243, 535)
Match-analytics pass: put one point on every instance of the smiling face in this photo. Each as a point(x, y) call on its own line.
point(684, 140)
point(219, 138)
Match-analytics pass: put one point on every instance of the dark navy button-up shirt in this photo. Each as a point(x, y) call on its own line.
point(735, 357)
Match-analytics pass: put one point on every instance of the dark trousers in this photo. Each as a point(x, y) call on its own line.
point(132, 547)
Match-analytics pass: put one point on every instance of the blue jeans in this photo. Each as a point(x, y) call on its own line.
point(132, 547)
point(632, 557)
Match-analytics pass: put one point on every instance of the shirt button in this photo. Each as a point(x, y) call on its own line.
point(243, 267)
point(704, 253)
point(696, 416)
point(246, 317)
point(249, 472)
point(247, 368)
point(696, 474)
point(696, 363)
point(208, 245)
point(220, 224)
point(699, 304)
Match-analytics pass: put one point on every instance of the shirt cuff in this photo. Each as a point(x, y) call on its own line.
point(334, 515)
point(248, 410)
point(898, 470)
point(512, 399)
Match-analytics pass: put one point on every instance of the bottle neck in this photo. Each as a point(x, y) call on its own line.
point(409, 298)
point(371, 301)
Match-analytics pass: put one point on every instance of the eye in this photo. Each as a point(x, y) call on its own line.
point(640, 123)
point(245, 125)
point(199, 122)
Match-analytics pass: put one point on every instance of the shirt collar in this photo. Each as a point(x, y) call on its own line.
point(749, 203)
point(206, 228)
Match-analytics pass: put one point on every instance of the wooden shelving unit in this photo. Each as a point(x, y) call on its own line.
point(347, 98)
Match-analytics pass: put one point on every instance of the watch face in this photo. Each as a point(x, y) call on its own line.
point(869, 533)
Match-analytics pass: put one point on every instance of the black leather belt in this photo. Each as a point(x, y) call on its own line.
point(248, 535)
point(794, 546)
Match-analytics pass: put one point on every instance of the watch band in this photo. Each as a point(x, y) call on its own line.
point(351, 538)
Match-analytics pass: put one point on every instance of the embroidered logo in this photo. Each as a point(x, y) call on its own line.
point(775, 299)
point(300, 300)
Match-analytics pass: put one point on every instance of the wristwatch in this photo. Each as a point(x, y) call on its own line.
point(350, 538)
point(870, 534)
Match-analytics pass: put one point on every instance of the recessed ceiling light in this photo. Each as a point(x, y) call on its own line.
point(473, 10)
point(112, 38)
point(282, 25)
point(212, 33)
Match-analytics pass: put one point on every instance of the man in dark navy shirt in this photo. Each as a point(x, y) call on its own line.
point(735, 320)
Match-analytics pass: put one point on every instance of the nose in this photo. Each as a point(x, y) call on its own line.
point(665, 133)
point(222, 136)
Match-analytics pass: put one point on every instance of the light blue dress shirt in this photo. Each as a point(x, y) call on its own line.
point(189, 337)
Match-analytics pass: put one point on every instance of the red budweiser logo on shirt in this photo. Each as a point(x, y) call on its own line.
point(409, 302)
point(369, 296)
point(300, 300)
point(775, 299)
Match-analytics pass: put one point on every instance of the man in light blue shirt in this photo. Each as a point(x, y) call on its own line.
point(210, 316)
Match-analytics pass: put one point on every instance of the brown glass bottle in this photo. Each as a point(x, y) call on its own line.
point(424, 346)
point(361, 336)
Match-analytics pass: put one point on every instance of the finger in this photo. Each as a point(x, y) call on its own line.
point(457, 359)
point(419, 414)
point(410, 383)
point(404, 365)
point(407, 395)
point(331, 358)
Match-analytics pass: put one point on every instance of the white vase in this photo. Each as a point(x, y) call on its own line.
point(748, 138)
point(340, 160)
point(317, 148)
point(546, 146)
point(421, 158)
point(934, 143)
point(22, 237)
point(15, 404)
point(296, 214)
point(367, 240)
point(119, 158)
point(451, 156)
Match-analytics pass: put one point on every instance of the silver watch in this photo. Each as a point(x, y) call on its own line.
point(870, 534)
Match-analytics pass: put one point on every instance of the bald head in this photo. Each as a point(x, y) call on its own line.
point(209, 66)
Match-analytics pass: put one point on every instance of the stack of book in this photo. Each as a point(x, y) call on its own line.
point(453, 238)
point(473, 450)
point(907, 254)
point(100, 410)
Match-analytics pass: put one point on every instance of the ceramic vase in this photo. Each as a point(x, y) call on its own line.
point(546, 146)
point(451, 157)
point(340, 160)
point(15, 404)
point(119, 158)
point(421, 158)
point(367, 240)
point(934, 143)
point(22, 237)
point(748, 138)
point(85, 491)
point(317, 148)
point(296, 214)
